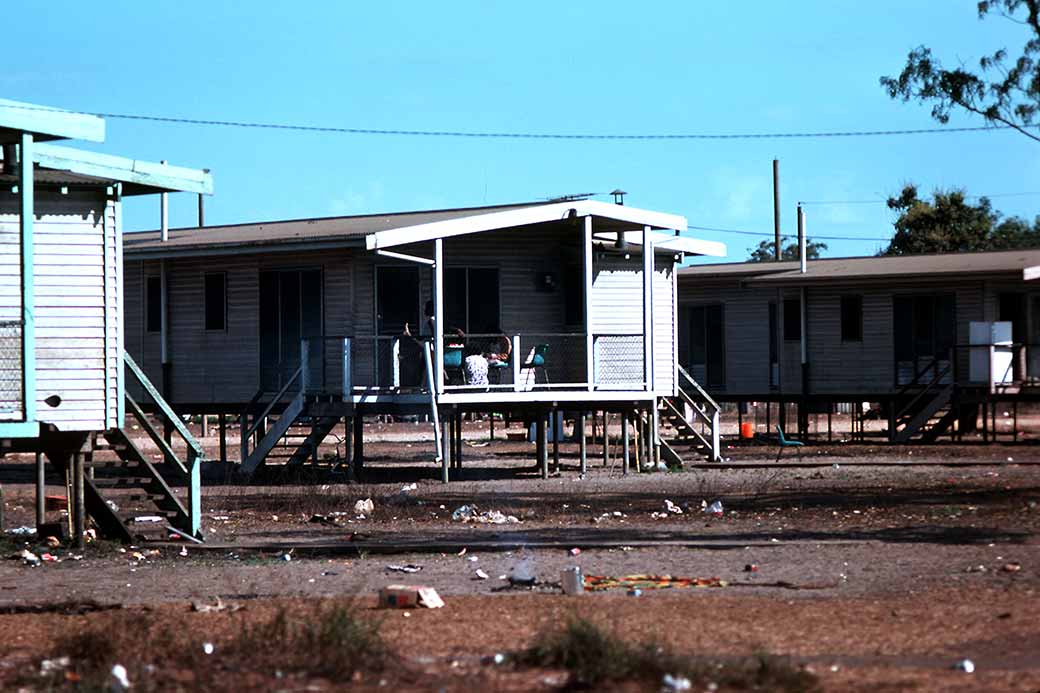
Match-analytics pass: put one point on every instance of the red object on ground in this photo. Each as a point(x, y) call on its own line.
point(747, 430)
point(55, 503)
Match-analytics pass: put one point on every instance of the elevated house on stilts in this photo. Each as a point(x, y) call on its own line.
point(290, 328)
point(63, 371)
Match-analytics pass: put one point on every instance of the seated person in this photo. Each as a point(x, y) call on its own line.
point(499, 350)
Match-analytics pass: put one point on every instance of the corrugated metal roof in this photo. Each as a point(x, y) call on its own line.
point(863, 268)
point(342, 230)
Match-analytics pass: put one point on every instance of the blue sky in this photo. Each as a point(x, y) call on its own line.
point(597, 67)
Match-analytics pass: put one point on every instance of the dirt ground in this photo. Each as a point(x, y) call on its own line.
point(869, 577)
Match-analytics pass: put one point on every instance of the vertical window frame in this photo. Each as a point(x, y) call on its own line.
point(206, 302)
point(152, 314)
point(851, 336)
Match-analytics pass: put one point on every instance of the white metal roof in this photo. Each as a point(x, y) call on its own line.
point(539, 214)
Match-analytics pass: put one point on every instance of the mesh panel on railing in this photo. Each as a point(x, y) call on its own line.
point(619, 359)
point(10, 369)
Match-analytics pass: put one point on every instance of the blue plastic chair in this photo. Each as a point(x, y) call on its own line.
point(785, 443)
point(453, 363)
point(537, 361)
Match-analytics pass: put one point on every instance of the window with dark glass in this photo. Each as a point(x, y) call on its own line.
point(216, 300)
point(852, 318)
point(702, 345)
point(153, 304)
point(792, 320)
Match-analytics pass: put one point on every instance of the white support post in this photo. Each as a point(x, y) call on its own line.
point(438, 313)
point(395, 362)
point(27, 192)
point(516, 360)
point(590, 373)
point(648, 308)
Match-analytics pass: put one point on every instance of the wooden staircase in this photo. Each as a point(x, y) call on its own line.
point(122, 484)
point(689, 423)
point(926, 408)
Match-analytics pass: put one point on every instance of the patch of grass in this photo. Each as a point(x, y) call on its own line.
point(333, 641)
point(594, 657)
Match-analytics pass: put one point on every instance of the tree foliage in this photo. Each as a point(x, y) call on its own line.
point(949, 223)
point(1005, 91)
point(765, 252)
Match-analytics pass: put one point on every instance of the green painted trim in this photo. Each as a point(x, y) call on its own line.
point(26, 192)
point(20, 429)
point(193, 444)
point(168, 454)
point(49, 123)
point(154, 177)
point(120, 331)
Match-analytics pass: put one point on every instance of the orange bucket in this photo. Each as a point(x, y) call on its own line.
point(747, 430)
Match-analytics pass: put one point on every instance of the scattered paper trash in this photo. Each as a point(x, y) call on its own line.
point(715, 508)
point(1012, 567)
point(406, 597)
point(751, 568)
point(286, 557)
point(145, 519)
point(207, 647)
point(409, 568)
point(481, 575)
point(575, 551)
point(675, 684)
point(470, 513)
point(364, 507)
point(672, 507)
point(50, 666)
point(119, 682)
point(22, 531)
point(965, 665)
point(409, 487)
point(49, 558)
point(183, 551)
point(635, 592)
point(29, 557)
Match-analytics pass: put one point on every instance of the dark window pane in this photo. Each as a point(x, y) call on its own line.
point(698, 347)
point(153, 304)
point(903, 318)
point(574, 295)
point(454, 299)
point(792, 320)
point(774, 346)
point(310, 303)
point(945, 325)
point(482, 293)
point(215, 300)
point(852, 318)
point(715, 342)
point(924, 326)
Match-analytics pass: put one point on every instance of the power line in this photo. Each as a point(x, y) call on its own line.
point(788, 235)
point(521, 135)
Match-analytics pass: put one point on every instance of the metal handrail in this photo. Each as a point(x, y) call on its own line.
point(697, 387)
point(927, 389)
point(270, 406)
point(916, 381)
point(178, 425)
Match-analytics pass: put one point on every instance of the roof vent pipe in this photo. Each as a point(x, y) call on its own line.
point(801, 239)
point(164, 216)
point(619, 196)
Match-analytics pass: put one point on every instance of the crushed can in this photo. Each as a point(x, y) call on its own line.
point(572, 581)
